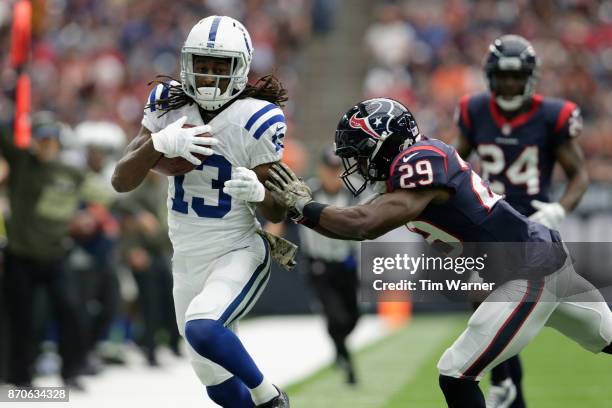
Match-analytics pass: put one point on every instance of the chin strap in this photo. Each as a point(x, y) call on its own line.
point(510, 104)
point(379, 187)
point(379, 144)
point(409, 142)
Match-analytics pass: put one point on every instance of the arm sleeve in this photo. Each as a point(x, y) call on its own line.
point(266, 138)
point(416, 169)
point(568, 124)
point(463, 119)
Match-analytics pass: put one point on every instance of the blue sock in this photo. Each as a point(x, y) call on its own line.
point(230, 394)
point(219, 344)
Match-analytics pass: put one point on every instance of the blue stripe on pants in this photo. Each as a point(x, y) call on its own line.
point(261, 270)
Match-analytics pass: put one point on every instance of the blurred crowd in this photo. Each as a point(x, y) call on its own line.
point(429, 54)
point(106, 52)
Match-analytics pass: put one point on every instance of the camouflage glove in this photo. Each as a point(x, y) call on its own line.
point(288, 188)
point(282, 251)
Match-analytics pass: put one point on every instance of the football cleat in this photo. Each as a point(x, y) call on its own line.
point(502, 395)
point(280, 401)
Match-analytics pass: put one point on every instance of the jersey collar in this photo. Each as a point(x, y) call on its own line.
point(518, 120)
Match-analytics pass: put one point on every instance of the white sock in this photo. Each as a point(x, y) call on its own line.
point(264, 392)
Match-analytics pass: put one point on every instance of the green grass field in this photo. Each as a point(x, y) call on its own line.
point(400, 371)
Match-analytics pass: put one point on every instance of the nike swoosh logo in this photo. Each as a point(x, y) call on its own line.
point(407, 158)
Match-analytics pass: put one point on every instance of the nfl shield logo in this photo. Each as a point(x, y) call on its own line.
point(506, 129)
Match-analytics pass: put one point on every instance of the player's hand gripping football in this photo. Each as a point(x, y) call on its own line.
point(174, 140)
point(550, 215)
point(245, 186)
point(288, 188)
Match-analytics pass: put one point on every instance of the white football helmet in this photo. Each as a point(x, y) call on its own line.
point(221, 37)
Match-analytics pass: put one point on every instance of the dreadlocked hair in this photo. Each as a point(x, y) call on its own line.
point(267, 88)
point(176, 99)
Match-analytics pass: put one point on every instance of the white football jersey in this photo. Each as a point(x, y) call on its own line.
point(202, 219)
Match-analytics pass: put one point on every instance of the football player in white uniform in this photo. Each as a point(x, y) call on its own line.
point(221, 264)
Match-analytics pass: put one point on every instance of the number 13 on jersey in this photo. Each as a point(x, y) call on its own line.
point(202, 209)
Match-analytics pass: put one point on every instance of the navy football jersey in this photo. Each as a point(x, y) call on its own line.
point(518, 155)
point(473, 213)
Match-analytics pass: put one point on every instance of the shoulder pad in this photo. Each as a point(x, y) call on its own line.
point(422, 165)
point(159, 94)
point(257, 116)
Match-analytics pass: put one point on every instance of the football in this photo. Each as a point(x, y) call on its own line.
point(177, 166)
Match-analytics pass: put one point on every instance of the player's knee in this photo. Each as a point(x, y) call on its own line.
point(339, 328)
point(230, 394)
point(208, 372)
point(201, 333)
point(447, 366)
point(210, 303)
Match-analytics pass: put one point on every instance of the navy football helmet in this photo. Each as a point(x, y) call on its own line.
point(511, 54)
point(369, 136)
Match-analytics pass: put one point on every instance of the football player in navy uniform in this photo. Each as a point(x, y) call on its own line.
point(519, 135)
point(428, 184)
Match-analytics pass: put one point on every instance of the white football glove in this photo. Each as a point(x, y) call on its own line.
point(245, 186)
point(550, 215)
point(174, 140)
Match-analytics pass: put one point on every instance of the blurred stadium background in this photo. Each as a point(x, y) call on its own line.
point(91, 62)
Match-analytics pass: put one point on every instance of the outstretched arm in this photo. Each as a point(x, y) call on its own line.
point(360, 222)
point(369, 221)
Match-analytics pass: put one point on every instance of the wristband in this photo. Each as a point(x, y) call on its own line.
point(298, 218)
point(307, 223)
point(312, 211)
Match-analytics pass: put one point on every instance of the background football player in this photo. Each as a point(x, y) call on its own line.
point(519, 136)
point(429, 184)
point(221, 264)
point(331, 266)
